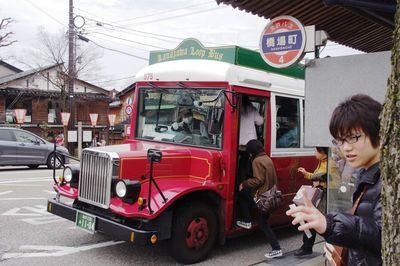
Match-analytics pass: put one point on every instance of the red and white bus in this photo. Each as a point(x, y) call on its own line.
point(176, 178)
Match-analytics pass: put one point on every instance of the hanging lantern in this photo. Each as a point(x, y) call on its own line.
point(65, 118)
point(93, 119)
point(111, 119)
point(20, 115)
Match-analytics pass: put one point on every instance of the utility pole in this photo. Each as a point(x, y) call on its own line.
point(71, 72)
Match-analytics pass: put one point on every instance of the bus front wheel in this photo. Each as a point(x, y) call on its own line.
point(194, 233)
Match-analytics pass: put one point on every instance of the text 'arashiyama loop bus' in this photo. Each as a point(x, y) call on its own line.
point(176, 178)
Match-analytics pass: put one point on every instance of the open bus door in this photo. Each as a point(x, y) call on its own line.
point(260, 101)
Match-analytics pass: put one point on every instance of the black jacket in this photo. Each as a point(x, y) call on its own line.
point(360, 233)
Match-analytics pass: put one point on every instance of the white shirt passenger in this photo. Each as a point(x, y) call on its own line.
point(248, 120)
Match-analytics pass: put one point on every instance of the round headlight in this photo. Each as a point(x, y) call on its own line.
point(120, 189)
point(67, 174)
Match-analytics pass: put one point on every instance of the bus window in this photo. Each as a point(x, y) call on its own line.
point(287, 122)
point(171, 115)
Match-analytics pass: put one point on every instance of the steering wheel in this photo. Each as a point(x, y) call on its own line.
point(161, 128)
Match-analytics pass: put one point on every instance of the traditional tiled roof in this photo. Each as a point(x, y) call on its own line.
point(26, 73)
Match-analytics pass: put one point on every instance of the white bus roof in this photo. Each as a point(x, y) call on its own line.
point(215, 71)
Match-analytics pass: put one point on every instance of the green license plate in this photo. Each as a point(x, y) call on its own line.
point(86, 221)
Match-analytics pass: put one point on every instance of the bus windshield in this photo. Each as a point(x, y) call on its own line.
point(180, 115)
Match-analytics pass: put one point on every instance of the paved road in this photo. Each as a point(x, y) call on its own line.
point(31, 236)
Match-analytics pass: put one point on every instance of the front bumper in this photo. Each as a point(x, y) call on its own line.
point(108, 227)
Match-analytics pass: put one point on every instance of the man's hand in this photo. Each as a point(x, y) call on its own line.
point(312, 216)
point(240, 187)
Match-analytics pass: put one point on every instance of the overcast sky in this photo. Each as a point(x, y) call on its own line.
point(132, 27)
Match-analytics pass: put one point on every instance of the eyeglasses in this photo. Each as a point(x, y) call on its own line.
point(350, 140)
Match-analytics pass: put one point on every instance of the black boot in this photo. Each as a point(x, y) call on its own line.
point(302, 252)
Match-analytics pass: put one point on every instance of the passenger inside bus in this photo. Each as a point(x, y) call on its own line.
point(250, 118)
point(184, 122)
point(289, 139)
point(192, 123)
point(287, 122)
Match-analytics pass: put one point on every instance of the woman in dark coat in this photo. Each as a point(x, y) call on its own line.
point(264, 177)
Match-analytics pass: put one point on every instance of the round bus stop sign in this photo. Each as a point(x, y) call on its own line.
point(282, 42)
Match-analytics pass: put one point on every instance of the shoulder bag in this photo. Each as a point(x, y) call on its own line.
point(270, 200)
point(337, 255)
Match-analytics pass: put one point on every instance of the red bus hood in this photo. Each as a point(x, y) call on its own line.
point(182, 169)
point(176, 160)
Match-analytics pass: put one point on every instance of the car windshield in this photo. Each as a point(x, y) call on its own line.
point(180, 115)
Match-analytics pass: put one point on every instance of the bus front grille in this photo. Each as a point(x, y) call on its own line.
point(95, 178)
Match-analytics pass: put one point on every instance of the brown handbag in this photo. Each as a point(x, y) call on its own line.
point(337, 255)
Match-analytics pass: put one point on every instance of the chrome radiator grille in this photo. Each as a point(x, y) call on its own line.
point(95, 177)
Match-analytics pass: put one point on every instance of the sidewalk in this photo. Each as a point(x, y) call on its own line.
point(315, 259)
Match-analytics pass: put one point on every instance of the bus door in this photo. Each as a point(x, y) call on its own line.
point(260, 103)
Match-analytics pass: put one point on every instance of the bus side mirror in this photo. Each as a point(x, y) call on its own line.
point(216, 121)
point(154, 155)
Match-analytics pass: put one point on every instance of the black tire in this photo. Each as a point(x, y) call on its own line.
point(50, 161)
point(194, 232)
point(33, 166)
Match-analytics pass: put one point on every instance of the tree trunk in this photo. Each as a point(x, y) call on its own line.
point(390, 159)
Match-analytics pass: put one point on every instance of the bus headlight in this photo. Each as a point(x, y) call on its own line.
point(71, 175)
point(120, 189)
point(67, 174)
point(128, 190)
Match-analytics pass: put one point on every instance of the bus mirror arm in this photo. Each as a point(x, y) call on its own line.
point(232, 103)
point(154, 156)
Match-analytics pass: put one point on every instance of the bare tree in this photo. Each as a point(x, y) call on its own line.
point(4, 34)
point(52, 49)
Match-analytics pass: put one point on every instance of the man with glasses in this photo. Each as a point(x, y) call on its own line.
point(355, 127)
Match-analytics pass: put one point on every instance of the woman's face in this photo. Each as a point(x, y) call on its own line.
point(360, 154)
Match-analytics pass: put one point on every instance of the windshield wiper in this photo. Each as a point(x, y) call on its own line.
point(158, 88)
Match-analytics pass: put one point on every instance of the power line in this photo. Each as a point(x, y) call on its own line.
point(177, 16)
point(91, 14)
point(159, 37)
point(119, 51)
point(108, 40)
point(105, 81)
point(47, 14)
point(123, 39)
point(144, 16)
point(152, 21)
point(164, 11)
point(156, 36)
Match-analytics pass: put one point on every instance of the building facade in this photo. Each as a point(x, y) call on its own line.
point(43, 94)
